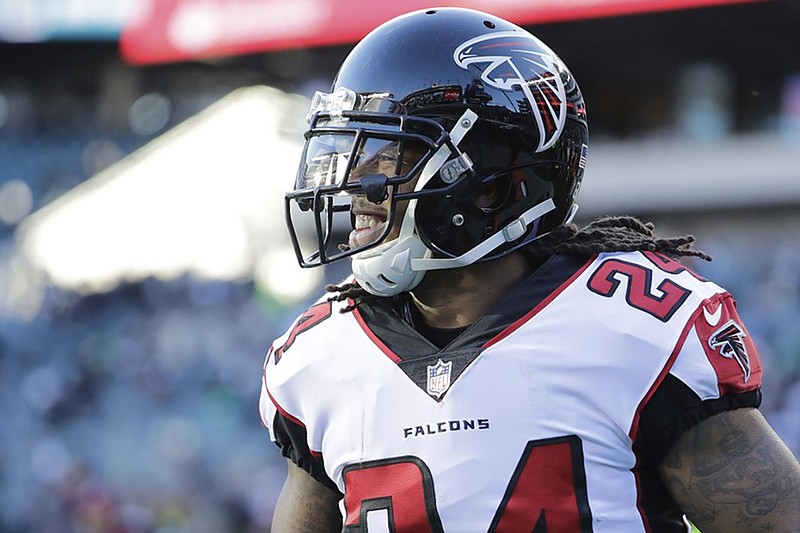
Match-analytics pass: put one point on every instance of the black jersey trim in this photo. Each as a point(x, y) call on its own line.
point(376, 340)
point(541, 304)
point(660, 507)
point(669, 409)
point(382, 321)
point(291, 437)
point(672, 410)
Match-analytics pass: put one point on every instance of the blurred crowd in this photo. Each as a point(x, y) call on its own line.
point(136, 411)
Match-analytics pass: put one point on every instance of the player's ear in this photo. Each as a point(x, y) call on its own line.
point(492, 194)
point(487, 196)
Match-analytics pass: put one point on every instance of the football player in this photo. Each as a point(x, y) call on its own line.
point(489, 366)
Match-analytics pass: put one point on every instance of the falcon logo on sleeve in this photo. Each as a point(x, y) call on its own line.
point(728, 346)
point(512, 61)
point(729, 340)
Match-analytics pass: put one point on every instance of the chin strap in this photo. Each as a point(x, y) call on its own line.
point(511, 232)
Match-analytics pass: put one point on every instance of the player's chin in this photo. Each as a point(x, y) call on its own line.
point(362, 237)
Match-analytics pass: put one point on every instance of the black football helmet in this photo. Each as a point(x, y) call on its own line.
point(449, 136)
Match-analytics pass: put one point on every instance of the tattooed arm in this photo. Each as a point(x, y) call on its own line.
point(732, 473)
point(306, 505)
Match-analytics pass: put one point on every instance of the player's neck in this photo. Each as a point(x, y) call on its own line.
point(458, 297)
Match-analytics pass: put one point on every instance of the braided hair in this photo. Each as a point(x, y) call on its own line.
point(605, 234)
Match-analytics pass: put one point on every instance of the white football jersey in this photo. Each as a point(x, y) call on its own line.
point(551, 413)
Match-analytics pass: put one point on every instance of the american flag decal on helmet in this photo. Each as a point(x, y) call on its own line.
point(513, 61)
point(584, 155)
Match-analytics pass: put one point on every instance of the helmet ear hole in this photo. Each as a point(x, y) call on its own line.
point(493, 194)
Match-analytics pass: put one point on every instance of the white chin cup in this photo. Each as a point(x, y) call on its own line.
point(386, 269)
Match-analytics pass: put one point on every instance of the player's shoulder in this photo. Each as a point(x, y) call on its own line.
point(640, 284)
point(315, 323)
point(652, 267)
point(316, 337)
point(311, 354)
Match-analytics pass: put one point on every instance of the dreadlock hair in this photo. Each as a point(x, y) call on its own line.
point(605, 234)
point(614, 234)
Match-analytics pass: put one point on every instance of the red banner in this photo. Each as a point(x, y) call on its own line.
point(181, 30)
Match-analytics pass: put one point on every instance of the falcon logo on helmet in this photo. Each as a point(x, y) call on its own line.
point(518, 62)
point(730, 341)
point(472, 102)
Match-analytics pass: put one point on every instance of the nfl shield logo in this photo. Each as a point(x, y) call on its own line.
point(439, 378)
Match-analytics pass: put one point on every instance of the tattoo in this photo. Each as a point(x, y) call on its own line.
point(306, 506)
point(317, 514)
point(728, 470)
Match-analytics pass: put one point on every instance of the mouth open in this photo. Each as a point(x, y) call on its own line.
point(369, 226)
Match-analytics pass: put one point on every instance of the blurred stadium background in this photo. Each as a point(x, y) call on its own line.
point(144, 267)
